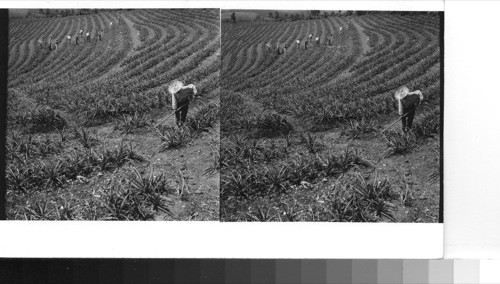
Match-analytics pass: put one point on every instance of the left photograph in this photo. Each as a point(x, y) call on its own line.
point(113, 114)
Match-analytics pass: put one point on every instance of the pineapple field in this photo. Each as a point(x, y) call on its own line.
point(82, 138)
point(308, 133)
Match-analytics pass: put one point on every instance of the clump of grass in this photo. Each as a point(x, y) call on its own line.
point(127, 123)
point(39, 211)
point(152, 183)
point(312, 141)
point(275, 178)
point(428, 126)
point(173, 138)
point(260, 213)
point(87, 138)
point(66, 211)
point(355, 128)
point(205, 118)
point(124, 204)
point(375, 195)
point(291, 212)
point(272, 124)
point(18, 179)
point(400, 143)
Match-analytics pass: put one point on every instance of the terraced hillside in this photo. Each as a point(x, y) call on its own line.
point(82, 141)
point(302, 132)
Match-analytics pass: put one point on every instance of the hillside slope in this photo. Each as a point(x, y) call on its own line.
point(82, 141)
point(302, 130)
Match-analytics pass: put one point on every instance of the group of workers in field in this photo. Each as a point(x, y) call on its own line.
point(79, 38)
point(407, 101)
point(310, 41)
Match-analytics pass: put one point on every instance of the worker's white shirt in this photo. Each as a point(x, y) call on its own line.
point(298, 41)
point(69, 37)
point(87, 34)
point(317, 38)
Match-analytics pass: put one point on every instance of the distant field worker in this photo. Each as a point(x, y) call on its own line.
point(110, 24)
point(77, 39)
point(39, 42)
point(268, 46)
point(306, 44)
point(69, 38)
point(407, 105)
point(330, 38)
point(298, 43)
point(317, 41)
point(181, 96)
point(278, 47)
point(284, 47)
point(56, 43)
point(50, 43)
point(81, 33)
point(100, 34)
point(310, 37)
point(88, 36)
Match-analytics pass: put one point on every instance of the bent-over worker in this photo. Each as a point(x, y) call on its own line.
point(407, 105)
point(181, 96)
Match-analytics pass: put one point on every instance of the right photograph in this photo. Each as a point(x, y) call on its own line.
point(331, 116)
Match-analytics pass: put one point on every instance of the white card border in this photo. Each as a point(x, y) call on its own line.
point(214, 239)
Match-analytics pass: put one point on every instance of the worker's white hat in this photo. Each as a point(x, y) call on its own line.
point(401, 93)
point(175, 86)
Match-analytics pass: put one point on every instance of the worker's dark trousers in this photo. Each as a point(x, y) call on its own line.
point(181, 114)
point(408, 119)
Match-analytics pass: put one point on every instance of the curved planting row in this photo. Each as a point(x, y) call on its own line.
point(303, 68)
point(104, 79)
point(335, 84)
